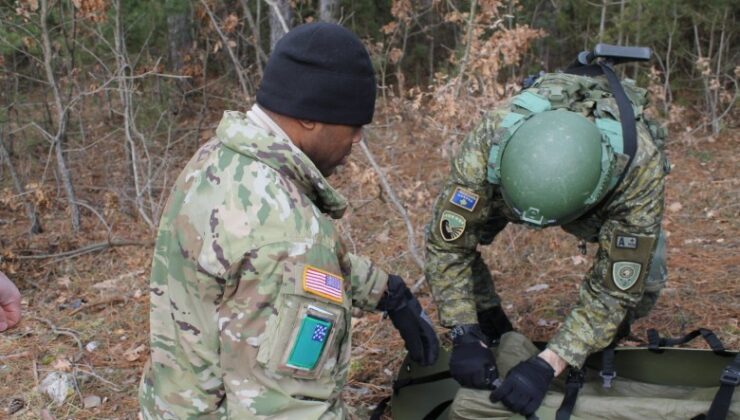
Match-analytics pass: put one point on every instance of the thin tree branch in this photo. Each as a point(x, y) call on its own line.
point(413, 249)
point(279, 15)
point(469, 36)
point(35, 225)
point(61, 119)
point(239, 70)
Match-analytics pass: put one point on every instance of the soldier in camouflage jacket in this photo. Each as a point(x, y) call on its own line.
point(251, 285)
point(472, 208)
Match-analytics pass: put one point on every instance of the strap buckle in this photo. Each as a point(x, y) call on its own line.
point(607, 378)
point(731, 375)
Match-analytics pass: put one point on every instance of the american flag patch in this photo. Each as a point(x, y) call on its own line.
point(323, 283)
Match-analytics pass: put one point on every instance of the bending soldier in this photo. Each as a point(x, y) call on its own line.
point(554, 156)
point(251, 285)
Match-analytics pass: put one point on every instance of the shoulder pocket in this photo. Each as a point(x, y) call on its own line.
point(307, 334)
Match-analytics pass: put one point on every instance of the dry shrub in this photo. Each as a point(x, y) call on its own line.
point(456, 101)
point(94, 10)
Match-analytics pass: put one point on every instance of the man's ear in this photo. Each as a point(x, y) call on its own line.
point(306, 124)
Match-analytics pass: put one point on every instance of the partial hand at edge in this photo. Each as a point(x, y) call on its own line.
point(10, 303)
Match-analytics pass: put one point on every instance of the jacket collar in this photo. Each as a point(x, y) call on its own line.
point(257, 136)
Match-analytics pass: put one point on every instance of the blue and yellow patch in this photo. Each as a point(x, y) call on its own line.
point(464, 199)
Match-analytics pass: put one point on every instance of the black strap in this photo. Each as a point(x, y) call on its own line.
point(402, 383)
point(380, 409)
point(573, 385)
point(729, 380)
point(655, 341)
point(626, 114)
point(608, 371)
point(437, 410)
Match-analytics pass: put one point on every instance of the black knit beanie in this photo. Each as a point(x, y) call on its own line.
point(320, 72)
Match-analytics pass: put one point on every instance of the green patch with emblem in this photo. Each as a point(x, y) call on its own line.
point(451, 225)
point(625, 274)
point(630, 256)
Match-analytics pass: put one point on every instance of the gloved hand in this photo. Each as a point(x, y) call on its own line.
point(525, 386)
point(411, 321)
point(471, 363)
point(494, 323)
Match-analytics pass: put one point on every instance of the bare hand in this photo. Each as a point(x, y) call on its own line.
point(10, 303)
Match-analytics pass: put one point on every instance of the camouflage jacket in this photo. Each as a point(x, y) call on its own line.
point(241, 239)
point(626, 227)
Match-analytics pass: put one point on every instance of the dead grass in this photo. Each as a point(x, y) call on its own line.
point(101, 297)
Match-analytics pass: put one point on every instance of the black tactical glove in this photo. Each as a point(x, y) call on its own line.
point(525, 386)
point(494, 323)
point(472, 364)
point(411, 321)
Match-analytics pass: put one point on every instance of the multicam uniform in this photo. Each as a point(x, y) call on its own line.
point(251, 287)
point(629, 268)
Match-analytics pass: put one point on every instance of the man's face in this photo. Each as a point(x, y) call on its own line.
point(329, 145)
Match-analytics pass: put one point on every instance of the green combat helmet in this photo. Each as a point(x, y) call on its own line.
point(554, 167)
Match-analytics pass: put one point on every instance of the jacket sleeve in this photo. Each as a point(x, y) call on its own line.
point(455, 271)
point(368, 282)
point(627, 242)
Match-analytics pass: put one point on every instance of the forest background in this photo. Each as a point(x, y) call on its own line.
point(103, 101)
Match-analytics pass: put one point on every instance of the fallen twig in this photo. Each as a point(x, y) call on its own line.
point(15, 356)
point(98, 246)
point(113, 299)
point(62, 331)
point(92, 373)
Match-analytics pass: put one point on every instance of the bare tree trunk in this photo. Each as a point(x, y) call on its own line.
point(668, 100)
point(179, 25)
point(621, 22)
point(328, 10)
point(281, 19)
point(602, 22)
point(62, 117)
point(469, 37)
point(717, 76)
point(33, 220)
point(142, 187)
point(636, 66)
point(259, 53)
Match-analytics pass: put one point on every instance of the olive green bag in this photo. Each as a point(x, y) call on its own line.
point(654, 382)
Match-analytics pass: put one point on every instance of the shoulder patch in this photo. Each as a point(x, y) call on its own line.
point(464, 199)
point(323, 283)
point(451, 225)
point(626, 242)
point(625, 274)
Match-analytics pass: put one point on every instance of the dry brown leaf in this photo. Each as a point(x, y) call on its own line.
point(675, 207)
point(133, 353)
point(62, 365)
point(64, 281)
point(230, 23)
